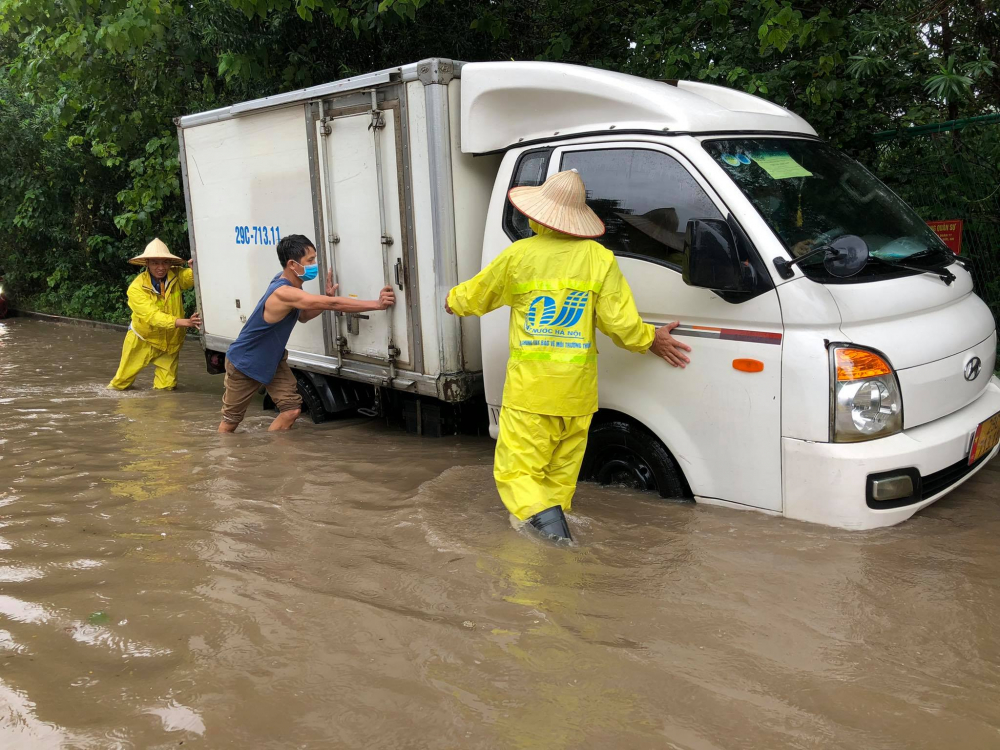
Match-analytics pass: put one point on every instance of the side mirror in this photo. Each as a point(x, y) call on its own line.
point(711, 260)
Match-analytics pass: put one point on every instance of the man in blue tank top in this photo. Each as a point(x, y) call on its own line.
point(258, 355)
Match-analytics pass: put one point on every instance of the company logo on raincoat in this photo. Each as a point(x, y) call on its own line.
point(546, 318)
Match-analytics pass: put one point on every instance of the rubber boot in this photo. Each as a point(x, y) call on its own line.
point(551, 523)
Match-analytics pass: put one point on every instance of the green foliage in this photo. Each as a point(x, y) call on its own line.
point(860, 66)
point(847, 68)
point(952, 175)
point(948, 84)
point(88, 88)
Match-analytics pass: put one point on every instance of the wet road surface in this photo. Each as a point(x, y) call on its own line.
point(347, 585)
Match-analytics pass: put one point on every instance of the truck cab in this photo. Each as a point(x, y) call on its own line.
point(851, 395)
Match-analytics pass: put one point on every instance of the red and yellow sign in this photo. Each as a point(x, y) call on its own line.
point(950, 232)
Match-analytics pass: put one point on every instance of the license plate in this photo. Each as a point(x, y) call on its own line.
point(986, 439)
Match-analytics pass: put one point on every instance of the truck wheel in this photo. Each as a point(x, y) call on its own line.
point(311, 401)
point(622, 454)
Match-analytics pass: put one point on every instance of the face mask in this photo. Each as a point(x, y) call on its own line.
point(309, 272)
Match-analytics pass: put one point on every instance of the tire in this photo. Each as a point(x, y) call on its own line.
point(311, 401)
point(623, 454)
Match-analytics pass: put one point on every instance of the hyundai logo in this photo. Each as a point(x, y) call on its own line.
point(972, 368)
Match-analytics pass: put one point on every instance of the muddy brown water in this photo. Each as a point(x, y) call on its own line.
point(350, 586)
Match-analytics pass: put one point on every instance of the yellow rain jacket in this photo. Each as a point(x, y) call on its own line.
point(558, 288)
point(153, 314)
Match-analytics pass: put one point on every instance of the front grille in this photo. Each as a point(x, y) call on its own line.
point(941, 480)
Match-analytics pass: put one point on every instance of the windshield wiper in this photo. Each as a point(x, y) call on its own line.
point(933, 253)
point(942, 273)
point(945, 256)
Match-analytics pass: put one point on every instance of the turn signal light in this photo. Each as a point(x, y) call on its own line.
point(858, 364)
point(748, 365)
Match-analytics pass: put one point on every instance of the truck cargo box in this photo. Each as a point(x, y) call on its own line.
point(371, 169)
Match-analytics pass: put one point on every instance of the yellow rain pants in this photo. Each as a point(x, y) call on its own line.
point(538, 460)
point(154, 339)
point(559, 289)
point(136, 356)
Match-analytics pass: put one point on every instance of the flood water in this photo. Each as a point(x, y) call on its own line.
point(350, 586)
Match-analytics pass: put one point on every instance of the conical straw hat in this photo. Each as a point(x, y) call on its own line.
point(560, 204)
point(156, 250)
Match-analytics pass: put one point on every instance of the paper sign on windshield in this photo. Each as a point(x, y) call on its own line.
point(780, 166)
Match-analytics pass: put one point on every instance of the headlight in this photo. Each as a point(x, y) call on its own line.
point(867, 403)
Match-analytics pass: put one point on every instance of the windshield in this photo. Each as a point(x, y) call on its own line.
point(810, 194)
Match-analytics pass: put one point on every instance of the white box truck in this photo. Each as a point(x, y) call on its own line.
point(842, 367)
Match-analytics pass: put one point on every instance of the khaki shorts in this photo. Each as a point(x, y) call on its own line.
point(240, 391)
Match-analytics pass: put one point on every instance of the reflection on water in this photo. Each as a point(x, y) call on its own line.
point(348, 585)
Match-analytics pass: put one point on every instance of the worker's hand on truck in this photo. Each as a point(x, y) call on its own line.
point(386, 298)
point(669, 348)
point(193, 322)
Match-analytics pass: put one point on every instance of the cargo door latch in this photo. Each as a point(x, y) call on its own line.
point(354, 322)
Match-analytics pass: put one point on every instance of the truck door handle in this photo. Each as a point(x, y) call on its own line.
point(399, 273)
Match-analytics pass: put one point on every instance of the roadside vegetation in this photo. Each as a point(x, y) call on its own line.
point(89, 170)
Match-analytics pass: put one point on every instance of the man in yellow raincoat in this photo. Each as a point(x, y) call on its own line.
point(158, 326)
point(559, 284)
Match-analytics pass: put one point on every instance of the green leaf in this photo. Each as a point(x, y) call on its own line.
point(948, 84)
point(979, 68)
point(866, 67)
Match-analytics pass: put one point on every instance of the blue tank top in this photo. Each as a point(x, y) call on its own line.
point(261, 345)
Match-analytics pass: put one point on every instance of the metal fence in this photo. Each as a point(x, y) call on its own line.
point(950, 172)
